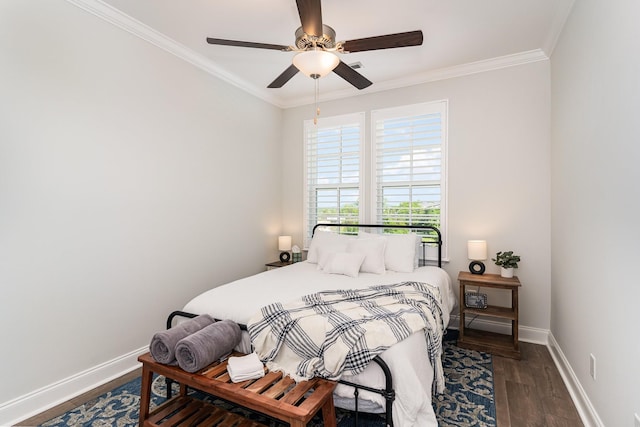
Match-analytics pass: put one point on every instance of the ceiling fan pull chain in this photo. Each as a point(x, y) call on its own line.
point(317, 94)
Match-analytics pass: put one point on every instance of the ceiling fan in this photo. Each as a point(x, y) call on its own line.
point(316, 44)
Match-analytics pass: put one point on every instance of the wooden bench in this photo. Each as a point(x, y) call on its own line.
point(272, 395)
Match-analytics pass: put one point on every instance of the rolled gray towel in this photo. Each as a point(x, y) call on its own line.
point(163, 344)
point(209, 344)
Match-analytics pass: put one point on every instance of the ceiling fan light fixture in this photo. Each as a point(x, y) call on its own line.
point(316, 63)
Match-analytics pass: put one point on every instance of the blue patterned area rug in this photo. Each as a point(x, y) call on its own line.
point(468, 401)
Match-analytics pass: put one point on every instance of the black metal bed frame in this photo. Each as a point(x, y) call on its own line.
point(434, 238)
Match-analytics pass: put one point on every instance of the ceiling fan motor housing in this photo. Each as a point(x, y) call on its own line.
point(327, 40)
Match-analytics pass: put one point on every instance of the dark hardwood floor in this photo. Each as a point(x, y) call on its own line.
point(528, 392)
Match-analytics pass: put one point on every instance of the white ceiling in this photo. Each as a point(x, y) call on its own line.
point(460, 37)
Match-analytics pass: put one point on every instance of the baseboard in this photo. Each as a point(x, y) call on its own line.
point(525, 333)
point(47, 397)
point(584, 407)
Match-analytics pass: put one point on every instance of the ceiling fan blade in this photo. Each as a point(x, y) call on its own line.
point(310, 12)
point(389, 41)
point(352, 76)
point(238, 43)
point(284, 77)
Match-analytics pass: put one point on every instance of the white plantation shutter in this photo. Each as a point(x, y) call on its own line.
point(333, 170)
point(409, 165)
point(406, 168)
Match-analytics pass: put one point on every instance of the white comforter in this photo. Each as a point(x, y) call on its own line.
point(408, 361)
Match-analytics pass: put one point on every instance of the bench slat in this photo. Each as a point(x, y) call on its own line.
point(273, 395)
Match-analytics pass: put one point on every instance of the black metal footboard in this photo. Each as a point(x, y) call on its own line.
point(388, 392)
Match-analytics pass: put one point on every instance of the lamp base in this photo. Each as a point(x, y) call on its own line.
point(285, 256)
point(476, 267)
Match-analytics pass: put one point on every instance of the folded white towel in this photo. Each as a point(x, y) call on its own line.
point(245, 367)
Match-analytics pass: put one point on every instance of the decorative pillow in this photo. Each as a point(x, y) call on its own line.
point(324, 254)
point(327, 241)
point(400, 252)
point(344, 263)
point(373, 251)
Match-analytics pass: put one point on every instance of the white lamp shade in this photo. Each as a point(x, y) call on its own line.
point(284, 243)
point(316, 63)
point(477, 250)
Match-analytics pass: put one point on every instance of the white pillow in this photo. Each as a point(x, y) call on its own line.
point(344, 263)
point(373, 251)
point(401, 252)
point(324, 254)
point(327, 241)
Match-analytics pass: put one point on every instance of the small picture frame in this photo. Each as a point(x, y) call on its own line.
point(475, 300)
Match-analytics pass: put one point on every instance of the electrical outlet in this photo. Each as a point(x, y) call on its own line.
point(637, 420)
point(592, 366)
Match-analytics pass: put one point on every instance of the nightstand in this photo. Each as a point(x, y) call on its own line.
point(490, 342)
point(277, 264)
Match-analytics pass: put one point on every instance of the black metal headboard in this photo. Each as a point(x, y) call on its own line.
point(431, 236)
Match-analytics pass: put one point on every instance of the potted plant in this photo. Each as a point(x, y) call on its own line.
point(507, 261)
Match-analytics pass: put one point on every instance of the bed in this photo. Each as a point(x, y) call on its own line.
point(400, 381)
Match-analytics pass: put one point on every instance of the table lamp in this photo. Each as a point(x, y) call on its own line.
point(284, 246)
point(477, 252)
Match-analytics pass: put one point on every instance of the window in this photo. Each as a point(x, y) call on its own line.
point(403, 174)
point(408, 165)
point(333, 171)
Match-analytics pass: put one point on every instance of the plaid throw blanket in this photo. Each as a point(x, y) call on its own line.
point(331, 333)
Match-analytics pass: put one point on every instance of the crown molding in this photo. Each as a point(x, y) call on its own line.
point(432, 76)
point(121, 20)
point(112, 15)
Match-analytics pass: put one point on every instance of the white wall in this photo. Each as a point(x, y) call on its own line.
point(595, 206)
point(498, 169)
point(129, 182)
